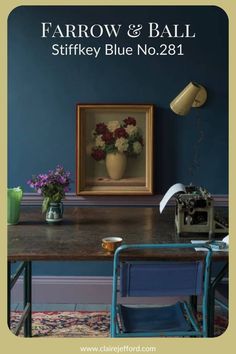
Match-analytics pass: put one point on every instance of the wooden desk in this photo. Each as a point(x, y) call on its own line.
point(80, 234)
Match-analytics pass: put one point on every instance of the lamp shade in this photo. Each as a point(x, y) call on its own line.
point(193, 95)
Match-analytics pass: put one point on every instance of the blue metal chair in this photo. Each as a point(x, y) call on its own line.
point(167, 278)
point(218, 295)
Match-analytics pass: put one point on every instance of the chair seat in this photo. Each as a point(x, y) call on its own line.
point(153, 319)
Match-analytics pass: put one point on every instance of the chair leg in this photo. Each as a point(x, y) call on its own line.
point(211, 312)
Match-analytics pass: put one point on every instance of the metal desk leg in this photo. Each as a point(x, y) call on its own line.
point(26, 318)
point(9, 294)
point(28, 298)
point(211, 314)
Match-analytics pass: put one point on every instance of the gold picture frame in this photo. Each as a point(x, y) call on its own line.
point(114, 149)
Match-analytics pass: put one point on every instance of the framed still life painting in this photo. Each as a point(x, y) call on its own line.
point(114, 150)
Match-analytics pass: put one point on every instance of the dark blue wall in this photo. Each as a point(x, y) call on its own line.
point(44, 89)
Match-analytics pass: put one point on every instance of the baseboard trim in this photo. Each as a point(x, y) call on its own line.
point(66, 289)
point(74, 290)
point(33, 199)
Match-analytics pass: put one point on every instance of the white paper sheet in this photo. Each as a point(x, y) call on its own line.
point(176, 188)
point(226, 239)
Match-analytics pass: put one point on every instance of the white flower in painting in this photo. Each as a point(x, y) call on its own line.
point(122, 144)
point(131, 129)
point(113, 125)
point(137, 147)
point(99, 142)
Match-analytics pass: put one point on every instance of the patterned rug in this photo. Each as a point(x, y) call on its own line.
point(81, 324)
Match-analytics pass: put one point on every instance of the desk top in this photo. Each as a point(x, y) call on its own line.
point(79, 236)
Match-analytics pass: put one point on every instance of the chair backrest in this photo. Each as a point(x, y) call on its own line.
point(165, 278)
point(161, 278)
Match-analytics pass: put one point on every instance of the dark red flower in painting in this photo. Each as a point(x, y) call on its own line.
point(129, 121)
point(98, 154)
point(108, 137)
point(101, 128)
point(120, 133)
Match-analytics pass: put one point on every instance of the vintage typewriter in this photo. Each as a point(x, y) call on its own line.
point(195, 213)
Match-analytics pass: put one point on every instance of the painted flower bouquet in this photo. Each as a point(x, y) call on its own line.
point(116, 137)
point(52, 185)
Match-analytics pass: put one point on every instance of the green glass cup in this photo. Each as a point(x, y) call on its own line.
point(14, 196)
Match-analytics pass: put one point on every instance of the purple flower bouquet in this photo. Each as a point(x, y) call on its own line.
point(52, 186)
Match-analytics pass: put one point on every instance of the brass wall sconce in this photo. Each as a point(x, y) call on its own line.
point(193, 95)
